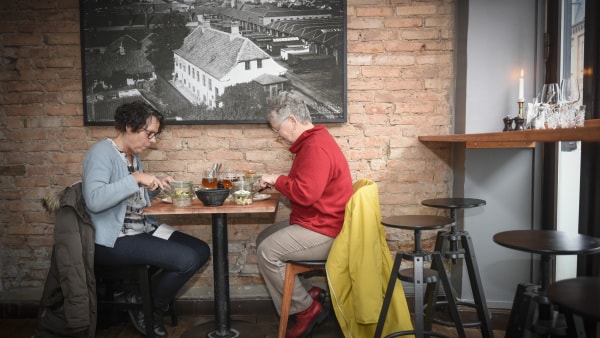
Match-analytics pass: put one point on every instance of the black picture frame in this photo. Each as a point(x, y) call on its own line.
point(212, 63)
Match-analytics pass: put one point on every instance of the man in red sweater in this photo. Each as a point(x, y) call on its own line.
point(318, 186)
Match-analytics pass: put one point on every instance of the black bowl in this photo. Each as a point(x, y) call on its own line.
point(212, 197)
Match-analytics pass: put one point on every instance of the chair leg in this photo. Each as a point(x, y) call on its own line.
point(388, 295)
point(173, 313)
point(452, 306)
point(146, 293)
point(286, 301)
point(291, 270)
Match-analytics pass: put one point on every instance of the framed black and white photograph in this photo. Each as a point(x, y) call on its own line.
point(203, 62)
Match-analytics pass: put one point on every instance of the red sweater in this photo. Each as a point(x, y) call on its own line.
point(319, 183)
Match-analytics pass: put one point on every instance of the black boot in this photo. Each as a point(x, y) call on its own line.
point(137, 320)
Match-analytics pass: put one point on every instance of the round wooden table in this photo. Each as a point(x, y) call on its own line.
point(547, 243)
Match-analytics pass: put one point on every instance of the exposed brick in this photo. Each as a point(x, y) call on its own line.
point(374, 11)
point(400, 72)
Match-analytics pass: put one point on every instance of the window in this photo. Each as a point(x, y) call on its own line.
point(259, 64)
point(572, 43)
point(247, 64)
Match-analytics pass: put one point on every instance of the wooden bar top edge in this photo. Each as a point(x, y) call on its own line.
point(589, 133)
point(229, 207)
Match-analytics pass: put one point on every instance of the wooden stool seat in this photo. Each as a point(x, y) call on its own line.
point(579, 295)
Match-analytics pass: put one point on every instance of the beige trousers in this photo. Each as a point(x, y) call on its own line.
point(283, 241)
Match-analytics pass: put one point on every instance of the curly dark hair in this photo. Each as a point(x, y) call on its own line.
point(135, 115)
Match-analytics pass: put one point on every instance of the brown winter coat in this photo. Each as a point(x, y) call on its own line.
point(68, 304)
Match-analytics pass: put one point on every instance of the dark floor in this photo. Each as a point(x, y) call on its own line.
point(262, 321)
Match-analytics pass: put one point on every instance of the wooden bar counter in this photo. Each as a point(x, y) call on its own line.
point(522, 138)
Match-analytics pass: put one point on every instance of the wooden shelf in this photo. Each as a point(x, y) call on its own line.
point(521, 139)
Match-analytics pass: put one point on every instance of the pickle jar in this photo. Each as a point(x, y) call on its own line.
point(182, 193)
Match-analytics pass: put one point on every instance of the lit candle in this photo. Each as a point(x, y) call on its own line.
point(521, 85)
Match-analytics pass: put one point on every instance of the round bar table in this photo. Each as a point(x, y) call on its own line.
point(547, 243)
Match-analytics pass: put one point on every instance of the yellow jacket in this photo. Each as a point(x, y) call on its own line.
point(359, 266)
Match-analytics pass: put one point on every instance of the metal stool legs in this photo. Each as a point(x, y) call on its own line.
point(419, 276)
point(465, 252)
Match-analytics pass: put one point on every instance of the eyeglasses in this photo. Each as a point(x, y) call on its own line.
point(276, 129)
point(150, 134)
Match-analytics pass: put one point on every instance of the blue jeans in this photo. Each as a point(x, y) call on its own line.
point(180, 257)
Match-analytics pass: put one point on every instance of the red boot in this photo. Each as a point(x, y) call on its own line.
point(315, 293)
point(306, 320)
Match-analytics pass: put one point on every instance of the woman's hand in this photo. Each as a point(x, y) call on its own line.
point(267, 181)
point(166, 182)
point(150, 181)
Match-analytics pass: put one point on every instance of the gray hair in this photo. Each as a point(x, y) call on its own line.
point(286, 104)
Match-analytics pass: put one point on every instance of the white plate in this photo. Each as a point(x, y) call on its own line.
point(261, 197)
point(167, 200)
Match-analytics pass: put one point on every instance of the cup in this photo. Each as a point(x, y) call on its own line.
point(209, 179)
point(553, 118)
point(242, 197)
point(252, 177)
point(182, 193)
point(539, 120)
point(228, 177)
point(580, 116)
point(242, 185)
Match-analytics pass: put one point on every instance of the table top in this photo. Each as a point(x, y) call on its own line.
point(453, 202)
point(580, 295)
point(548, 242)
point(159, 207)
point(417, 222)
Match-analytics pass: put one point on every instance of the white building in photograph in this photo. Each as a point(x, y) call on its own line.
point(211, 60)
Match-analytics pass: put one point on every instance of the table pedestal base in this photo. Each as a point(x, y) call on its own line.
point(207, 329)
point(532, 312)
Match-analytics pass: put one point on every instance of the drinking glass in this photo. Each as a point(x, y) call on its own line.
point(569, 91)
point(550, 93)
point(580, 116)
point(210, 179)
point(228, 177)
point(553, 118)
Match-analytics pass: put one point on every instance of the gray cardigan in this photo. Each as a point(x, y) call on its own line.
point(107, 185)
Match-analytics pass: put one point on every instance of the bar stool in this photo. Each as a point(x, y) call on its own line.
point(578, 298)
point(530, 299)
point(455, 244)
point(418, 275)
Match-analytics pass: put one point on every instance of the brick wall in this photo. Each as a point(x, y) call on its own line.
point(400, 84)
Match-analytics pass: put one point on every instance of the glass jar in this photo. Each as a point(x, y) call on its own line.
point(182, 193)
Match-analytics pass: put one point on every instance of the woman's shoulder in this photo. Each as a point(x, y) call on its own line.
point(102, 145)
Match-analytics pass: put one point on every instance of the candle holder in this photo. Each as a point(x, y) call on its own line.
point(520, 108)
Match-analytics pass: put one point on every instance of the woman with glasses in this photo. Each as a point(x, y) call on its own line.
point(116, 190)
point(318, 186)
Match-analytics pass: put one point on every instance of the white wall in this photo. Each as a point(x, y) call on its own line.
point(501, 39)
